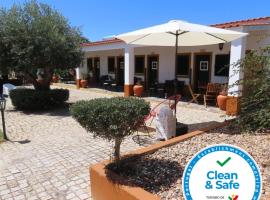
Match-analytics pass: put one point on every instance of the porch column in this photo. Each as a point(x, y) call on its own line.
point(129, 71)
point(78, 77)
point(238, 51)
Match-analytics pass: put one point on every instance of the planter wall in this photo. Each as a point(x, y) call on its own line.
point(103, 189)
point(78, 83)
point(232, 106)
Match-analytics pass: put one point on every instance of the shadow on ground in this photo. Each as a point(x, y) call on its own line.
point(26, 141)
point(153, 175)
point(201, 126)
point(61, 111)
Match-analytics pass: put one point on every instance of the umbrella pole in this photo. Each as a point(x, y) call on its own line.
point(175, 78)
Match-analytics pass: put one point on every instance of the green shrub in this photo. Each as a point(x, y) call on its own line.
point(111, 118)
point(30, 99)
point(255, 103)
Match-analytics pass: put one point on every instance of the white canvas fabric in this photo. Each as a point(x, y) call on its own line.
point(190, 35)
point(7, 88)
point(165, 123)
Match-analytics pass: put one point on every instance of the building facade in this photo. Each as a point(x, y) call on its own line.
point(197, 65)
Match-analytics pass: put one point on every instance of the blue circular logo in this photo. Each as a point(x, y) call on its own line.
point(222, 172)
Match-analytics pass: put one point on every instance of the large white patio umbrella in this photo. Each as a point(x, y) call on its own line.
point(179, 33)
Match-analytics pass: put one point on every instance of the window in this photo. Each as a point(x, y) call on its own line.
point(222, 65)
point(203, 65)
point(183, 64)
point(111, 64)
point(139, 64)
point(122, 65)
point(154, 65)
point(90, 64)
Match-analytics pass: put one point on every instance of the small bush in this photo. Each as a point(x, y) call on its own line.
point(255, 104)
point(111, 118)
point(30, 99)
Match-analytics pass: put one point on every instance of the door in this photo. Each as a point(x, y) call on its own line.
point(152, 71)
point(120, 71)
point(96, 69)
point(202, 71)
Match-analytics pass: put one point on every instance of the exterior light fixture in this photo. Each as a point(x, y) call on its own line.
point(2, 109)
point(220, 46)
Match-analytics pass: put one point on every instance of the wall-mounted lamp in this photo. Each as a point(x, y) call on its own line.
point(220, 46)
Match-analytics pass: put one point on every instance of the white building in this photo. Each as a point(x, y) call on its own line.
point(197, 65)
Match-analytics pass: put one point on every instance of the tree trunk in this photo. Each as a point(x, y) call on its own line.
point(43, 84)
point(47, 78)
point(30, 78)
point(117, 144)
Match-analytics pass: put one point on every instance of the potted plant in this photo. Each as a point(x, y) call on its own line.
point(138, 89)
point(222, 98)
point(55, 78)
point(83, 81)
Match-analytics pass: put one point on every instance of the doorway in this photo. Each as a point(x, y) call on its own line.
point(202, 70)
point(120, 66)
point(152, 70)
point(96, 69)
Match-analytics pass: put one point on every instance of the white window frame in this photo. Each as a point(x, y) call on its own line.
point(204, 65)
point(154, 65)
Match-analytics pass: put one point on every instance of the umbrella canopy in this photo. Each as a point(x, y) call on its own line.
point(188, 34)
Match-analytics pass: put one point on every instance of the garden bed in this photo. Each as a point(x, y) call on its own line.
point(161, 172)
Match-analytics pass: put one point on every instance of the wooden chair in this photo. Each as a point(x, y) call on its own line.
point(212, 92)
point(194, 96)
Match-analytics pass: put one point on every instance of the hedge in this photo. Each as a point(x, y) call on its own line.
point(30, 99)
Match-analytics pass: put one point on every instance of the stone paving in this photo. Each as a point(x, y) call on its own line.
point(49, 154)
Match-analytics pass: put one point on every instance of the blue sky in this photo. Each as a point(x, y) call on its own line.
point(100, 18)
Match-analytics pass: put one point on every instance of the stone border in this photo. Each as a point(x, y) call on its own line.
point(102, 188)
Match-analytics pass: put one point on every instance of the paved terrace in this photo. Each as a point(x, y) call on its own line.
point(50, 154)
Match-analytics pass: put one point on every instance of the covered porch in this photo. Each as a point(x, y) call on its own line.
point(154, 66)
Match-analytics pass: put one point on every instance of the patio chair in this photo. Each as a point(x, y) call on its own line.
point(194, 96)
point(212, 92)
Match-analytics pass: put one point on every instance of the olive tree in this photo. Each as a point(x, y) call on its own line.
point(35, 37)
point(111, 118)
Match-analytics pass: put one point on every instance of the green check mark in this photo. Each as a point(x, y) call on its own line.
point(221, 164)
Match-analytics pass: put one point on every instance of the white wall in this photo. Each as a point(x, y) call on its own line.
point(166, 60)
point(258, 39)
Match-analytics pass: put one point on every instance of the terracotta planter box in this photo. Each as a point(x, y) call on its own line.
point(104, 189)
point(232, 106)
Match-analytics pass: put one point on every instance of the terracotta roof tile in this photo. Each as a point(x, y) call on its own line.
point(109, 41)
point(248, 22)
